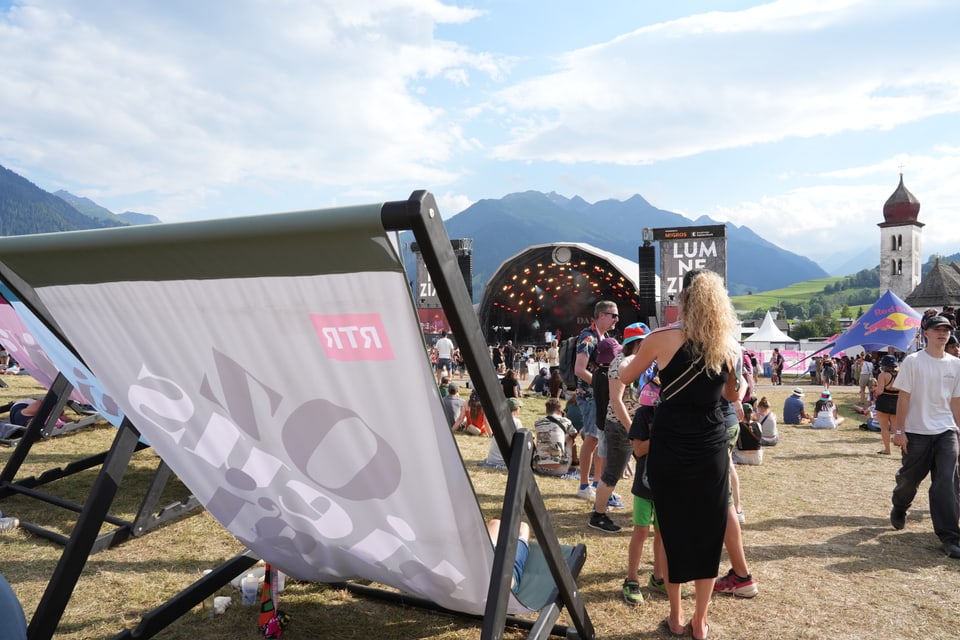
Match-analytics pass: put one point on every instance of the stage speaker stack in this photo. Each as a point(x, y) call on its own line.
point(463, 249)
point(427, 296)
point(647, 283)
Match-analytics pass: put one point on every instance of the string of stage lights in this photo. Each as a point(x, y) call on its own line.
point(526, 290)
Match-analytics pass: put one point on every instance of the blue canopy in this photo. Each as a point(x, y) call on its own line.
point(890, 322)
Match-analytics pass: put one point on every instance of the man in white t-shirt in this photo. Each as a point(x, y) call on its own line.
point(925, 428)
point(444, 347)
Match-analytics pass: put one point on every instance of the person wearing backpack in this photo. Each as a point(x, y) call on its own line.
point(605, 316)
point(617, 420)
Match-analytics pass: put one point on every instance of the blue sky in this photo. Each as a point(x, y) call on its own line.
point(791, 117)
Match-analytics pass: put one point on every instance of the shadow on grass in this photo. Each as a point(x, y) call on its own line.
point(826, 455)
point(868, 544)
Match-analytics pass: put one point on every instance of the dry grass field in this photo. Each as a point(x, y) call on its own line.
point(817, 537)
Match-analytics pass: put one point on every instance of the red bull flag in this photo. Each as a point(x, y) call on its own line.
point(890, 322)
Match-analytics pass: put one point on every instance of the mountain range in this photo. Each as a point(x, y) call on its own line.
point(92, 209)
point(499, 229)
point(26, 208)
point(502, 228)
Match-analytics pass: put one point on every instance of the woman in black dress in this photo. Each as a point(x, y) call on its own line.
point(688, 462)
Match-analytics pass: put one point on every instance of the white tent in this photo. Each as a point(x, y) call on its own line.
point(768, 335)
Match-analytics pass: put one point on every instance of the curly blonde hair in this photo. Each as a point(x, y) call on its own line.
point(709, 321)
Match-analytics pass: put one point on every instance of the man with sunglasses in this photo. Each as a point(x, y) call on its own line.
point(605, 316)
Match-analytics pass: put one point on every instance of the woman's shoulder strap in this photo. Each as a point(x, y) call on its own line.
point(675, 326)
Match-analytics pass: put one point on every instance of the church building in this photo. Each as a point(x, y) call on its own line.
point(900, 234)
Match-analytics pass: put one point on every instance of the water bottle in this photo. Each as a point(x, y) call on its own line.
point(281, 581)
point(248, 590)
point(207, 608)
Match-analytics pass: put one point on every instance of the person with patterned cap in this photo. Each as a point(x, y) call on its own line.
point(620, 410)
point(925, 429)
point(644, 515)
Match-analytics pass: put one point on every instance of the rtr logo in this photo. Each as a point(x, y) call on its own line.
point(353, 336)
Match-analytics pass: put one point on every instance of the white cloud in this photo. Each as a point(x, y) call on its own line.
point(187, 99)
point(791, 68)
point(819, 221)
point(451, 204)
point(187, 109)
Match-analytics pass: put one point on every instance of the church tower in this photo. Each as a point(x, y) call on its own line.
point(900, 243)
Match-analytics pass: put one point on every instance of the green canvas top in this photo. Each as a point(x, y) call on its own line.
point(262, 245)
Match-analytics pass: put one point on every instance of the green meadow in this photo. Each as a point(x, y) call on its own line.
point(797, 292)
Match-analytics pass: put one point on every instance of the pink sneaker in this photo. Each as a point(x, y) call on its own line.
point(740, 587)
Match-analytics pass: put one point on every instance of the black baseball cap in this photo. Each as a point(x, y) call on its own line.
point(936, 321)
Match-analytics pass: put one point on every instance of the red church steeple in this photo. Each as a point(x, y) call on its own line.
point(901, 207)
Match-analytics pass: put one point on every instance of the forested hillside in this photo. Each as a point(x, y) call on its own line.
point(26, 208)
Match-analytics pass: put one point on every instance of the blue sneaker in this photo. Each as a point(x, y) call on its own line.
point(614, 502)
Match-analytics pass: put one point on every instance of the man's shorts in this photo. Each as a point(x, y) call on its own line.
point(523, 550)
point(616, 450)
point(601, 445)
point(444, 363)
point(644, 513)
point(588, 409)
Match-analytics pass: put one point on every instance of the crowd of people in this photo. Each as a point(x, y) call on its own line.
point(682, 404)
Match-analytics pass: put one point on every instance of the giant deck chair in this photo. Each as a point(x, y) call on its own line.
point(46, 358)
point(21, 345)
point(276, 364)
point(68, 380)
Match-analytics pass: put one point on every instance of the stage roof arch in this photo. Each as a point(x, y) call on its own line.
point(551, 288)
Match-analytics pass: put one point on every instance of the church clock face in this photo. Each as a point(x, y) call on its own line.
point(562, 255)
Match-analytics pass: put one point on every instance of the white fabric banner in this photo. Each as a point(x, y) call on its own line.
point(302, 413)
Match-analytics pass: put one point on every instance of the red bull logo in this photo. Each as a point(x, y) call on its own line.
point(894, 322)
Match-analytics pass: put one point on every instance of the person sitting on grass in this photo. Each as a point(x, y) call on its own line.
point(454, 408)
point(511, 387)
point(556, 387)
point(871, 424)
point(794, 411)
point(748, 449)
point(768, 423)
point(539, 383)
point(825, 413)
point(476, 424)
point(555, 437)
